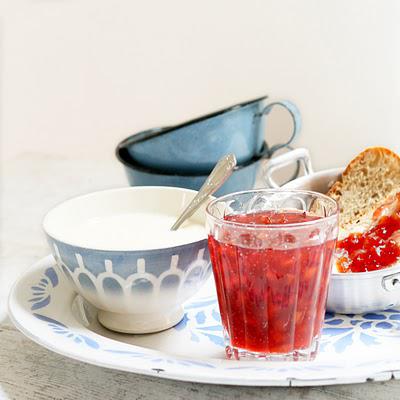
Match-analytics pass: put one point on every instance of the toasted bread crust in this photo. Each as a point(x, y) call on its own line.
point(366, 182)
point(378, 152)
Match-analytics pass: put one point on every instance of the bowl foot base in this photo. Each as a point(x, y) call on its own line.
point(140, 323)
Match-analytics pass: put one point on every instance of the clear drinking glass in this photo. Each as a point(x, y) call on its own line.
point(272, 253)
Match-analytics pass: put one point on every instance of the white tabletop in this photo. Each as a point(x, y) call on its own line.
point(33, 183)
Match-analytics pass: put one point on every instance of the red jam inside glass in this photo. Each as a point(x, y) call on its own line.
point(272, 300)
point(378, 247)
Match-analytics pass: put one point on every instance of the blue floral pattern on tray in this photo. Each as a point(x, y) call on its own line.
point(341, 331)
point(202, 321)
point(41, 291)
point(62, 329)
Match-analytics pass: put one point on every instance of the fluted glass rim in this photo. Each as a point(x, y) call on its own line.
point(276, 226)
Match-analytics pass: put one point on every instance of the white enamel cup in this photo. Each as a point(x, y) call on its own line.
point(349, 293)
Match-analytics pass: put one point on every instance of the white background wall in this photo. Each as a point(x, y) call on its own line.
point(79, 75)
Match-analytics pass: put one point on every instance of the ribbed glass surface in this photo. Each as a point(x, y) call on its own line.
point(272, 279)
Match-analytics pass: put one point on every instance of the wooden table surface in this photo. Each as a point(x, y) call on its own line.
point(33, 183)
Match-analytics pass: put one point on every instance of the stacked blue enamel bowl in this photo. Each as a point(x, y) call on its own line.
point(184, 155)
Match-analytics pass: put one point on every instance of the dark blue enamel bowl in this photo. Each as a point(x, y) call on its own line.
point(243, 177)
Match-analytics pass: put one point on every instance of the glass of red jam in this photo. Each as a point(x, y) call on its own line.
point(272, 253)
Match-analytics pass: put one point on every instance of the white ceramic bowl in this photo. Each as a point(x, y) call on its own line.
point(350, 293)
point(136, 290)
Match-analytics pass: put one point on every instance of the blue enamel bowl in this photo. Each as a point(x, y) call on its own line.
point(195, 146)
point(243, 177)
point(137, 288)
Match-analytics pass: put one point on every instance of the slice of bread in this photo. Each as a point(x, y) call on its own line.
point(367, 181)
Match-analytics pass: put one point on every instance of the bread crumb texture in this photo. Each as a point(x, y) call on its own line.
point(367, 181)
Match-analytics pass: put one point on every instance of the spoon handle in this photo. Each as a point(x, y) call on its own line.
point(221, 172)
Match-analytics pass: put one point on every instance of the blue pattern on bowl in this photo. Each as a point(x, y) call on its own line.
point(100, 275)
point(138, 290)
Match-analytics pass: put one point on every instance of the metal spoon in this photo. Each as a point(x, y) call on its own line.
point(221, 172)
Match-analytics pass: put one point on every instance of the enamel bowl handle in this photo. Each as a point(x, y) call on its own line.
point(298, 155)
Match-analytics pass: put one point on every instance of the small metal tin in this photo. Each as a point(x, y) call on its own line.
point(349, 293)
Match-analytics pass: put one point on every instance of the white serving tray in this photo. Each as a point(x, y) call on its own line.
point(354, 348)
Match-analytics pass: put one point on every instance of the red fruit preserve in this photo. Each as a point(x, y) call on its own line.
point(378, 247)
point(271, 288)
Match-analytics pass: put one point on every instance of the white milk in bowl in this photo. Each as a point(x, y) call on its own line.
point(136, 231)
